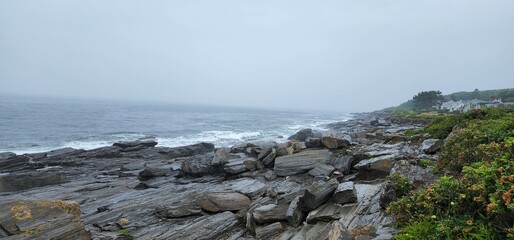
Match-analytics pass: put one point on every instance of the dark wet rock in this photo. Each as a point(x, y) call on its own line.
point(177, 211)
point(294, 214)
point(345, 193)
point(267, 156)
point(241, 165)
point(10, 162)
point(42, 219)
point(103, 209)
point(270, 213)
point(59, 157)
point(200, 165)
point(102, 152)
point(149, 173)
point(223, 201)
point(303, 134)
point(317, 194)
point(313, 143)
point(21, 181)
point(246, 148)
point(322, 170)
point(325, 213)
point(222, 156)
point(132, 144)
point(343, 164)
point(335, 143)
point(265, 152)
point(301, 162)
point(388, 195)
point(269, 231)
point(144, 185)
point(185, 151)
point(432, 146)
point(269, 160)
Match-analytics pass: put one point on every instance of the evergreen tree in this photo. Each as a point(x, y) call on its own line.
point(427, 100)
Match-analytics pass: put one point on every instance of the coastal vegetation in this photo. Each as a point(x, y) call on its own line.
point(426, 100)
point(473, 199)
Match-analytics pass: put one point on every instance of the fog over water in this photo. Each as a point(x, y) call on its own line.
point(314, 55)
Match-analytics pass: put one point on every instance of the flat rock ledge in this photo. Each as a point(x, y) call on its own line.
point(321, 185)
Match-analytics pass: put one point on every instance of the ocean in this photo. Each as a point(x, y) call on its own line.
point(38, 124)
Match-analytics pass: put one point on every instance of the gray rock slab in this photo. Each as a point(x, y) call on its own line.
point(345, 193)
point(223, 201)
point(322, 170)
point(300, 162)
point(325, 213)
point(317, 194)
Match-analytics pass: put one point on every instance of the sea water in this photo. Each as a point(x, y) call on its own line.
point(38, 124)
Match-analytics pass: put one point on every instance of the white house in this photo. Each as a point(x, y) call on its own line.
point(464, 106)
point(452, 106)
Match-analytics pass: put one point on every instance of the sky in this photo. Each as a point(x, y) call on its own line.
point(327, 55)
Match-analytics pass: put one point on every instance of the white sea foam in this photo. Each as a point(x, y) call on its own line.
point(220, 138)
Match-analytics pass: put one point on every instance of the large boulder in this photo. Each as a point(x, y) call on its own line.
point(335, 143)
point(236, 166)
point(432, 146)
point(42, 219)
point(325, 213)
point(300, 162)
point(223, 201)
point(303, 134)
point(250, 187)
point(343, 163)
point(21, 181)
point(138, 144)
point(222, 156)
point(377, 167)
point(322, 170)
point(270, 213)
point(294, 214)
point(317, 194)
point(200, 165)
point(313, 143)
point(345, 193)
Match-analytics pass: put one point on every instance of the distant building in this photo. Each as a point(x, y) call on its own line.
point(464, 106)
point(452, 106)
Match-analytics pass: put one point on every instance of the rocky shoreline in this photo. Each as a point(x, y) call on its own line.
point(329, 185)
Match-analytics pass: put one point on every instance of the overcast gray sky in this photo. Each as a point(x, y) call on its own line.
point(336, 55)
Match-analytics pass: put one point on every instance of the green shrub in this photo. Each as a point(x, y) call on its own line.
point(400, 184)
point(478, 205)
point(424, 163)
point(477, 202)
point(124, 232)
